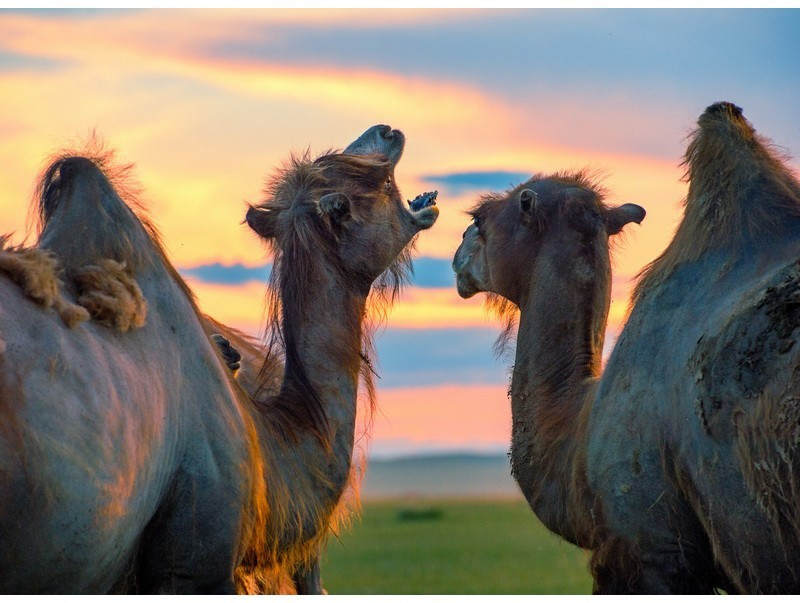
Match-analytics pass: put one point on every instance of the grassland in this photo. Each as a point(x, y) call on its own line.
point(452, 547)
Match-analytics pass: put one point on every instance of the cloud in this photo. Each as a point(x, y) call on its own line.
point(573, 48)
point(423, 357)
point(12, 61)
point(428, 273)
point(441, 417)
point(233, 274)
point(74, 13)
point(623, 64)
point(459, 183)
point(433, 273)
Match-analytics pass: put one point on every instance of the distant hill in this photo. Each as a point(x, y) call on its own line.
point(440, 476)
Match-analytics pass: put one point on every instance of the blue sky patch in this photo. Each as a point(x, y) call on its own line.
point(459, 183)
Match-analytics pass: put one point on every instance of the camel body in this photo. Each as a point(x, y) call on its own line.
point(108, 438)
point(702, 361)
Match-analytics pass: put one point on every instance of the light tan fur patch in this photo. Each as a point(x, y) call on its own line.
point(36, 273)
point(111, 295)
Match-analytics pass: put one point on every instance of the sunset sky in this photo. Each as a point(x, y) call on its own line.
point(207, 103)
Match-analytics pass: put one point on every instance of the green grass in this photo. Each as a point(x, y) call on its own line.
point(452, 547)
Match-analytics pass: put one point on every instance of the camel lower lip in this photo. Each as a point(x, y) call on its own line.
point(463, 289)
point(422, 201)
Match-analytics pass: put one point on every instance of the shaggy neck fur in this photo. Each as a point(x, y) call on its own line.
point(558, 360)
point(308, 462)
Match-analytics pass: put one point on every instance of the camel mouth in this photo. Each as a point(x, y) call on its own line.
point(424, 210)
point(422, 201)
point(380, 139)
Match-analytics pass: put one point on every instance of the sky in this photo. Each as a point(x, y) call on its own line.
point(207, 103)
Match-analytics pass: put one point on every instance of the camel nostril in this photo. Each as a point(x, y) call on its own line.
point(387, 132)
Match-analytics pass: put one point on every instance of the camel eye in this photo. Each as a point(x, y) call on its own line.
point(477, 222)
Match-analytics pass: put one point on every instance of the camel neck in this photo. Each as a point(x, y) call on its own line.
point(327, 340)
point(558, 360)
point(322, 332)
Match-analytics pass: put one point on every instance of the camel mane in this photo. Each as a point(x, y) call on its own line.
point(305, 236)
point(740, 190)
point(491, 204)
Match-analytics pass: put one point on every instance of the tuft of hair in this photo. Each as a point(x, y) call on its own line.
point(740, 190)
point(36, 273)
point(111, 295)
point(303, 241)
point(768, 450)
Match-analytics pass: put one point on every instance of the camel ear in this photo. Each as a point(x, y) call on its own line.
point(617, 217)
point(336, 206)
point(262, 221)
point(527, 205)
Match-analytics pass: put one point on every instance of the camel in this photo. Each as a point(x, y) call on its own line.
point(677, 465)
point(130, 459)
point(340, 237)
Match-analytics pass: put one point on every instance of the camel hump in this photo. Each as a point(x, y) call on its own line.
point(725, 122)
point(740, 185)
point(89, 211)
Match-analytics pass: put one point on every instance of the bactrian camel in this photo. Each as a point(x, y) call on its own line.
point(678, 465)
point(333, 226)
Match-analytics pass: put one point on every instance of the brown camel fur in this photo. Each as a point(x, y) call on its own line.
point(36, 273)
point(678, 465)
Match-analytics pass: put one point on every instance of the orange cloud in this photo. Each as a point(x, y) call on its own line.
point(475, 416)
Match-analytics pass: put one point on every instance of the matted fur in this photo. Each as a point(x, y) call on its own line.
point(733, 196)
point(768, 449)
point(111, 296)
point(36, 272)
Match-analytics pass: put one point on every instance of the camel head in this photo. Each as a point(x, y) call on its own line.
point(345, 207)
point(553, 219)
